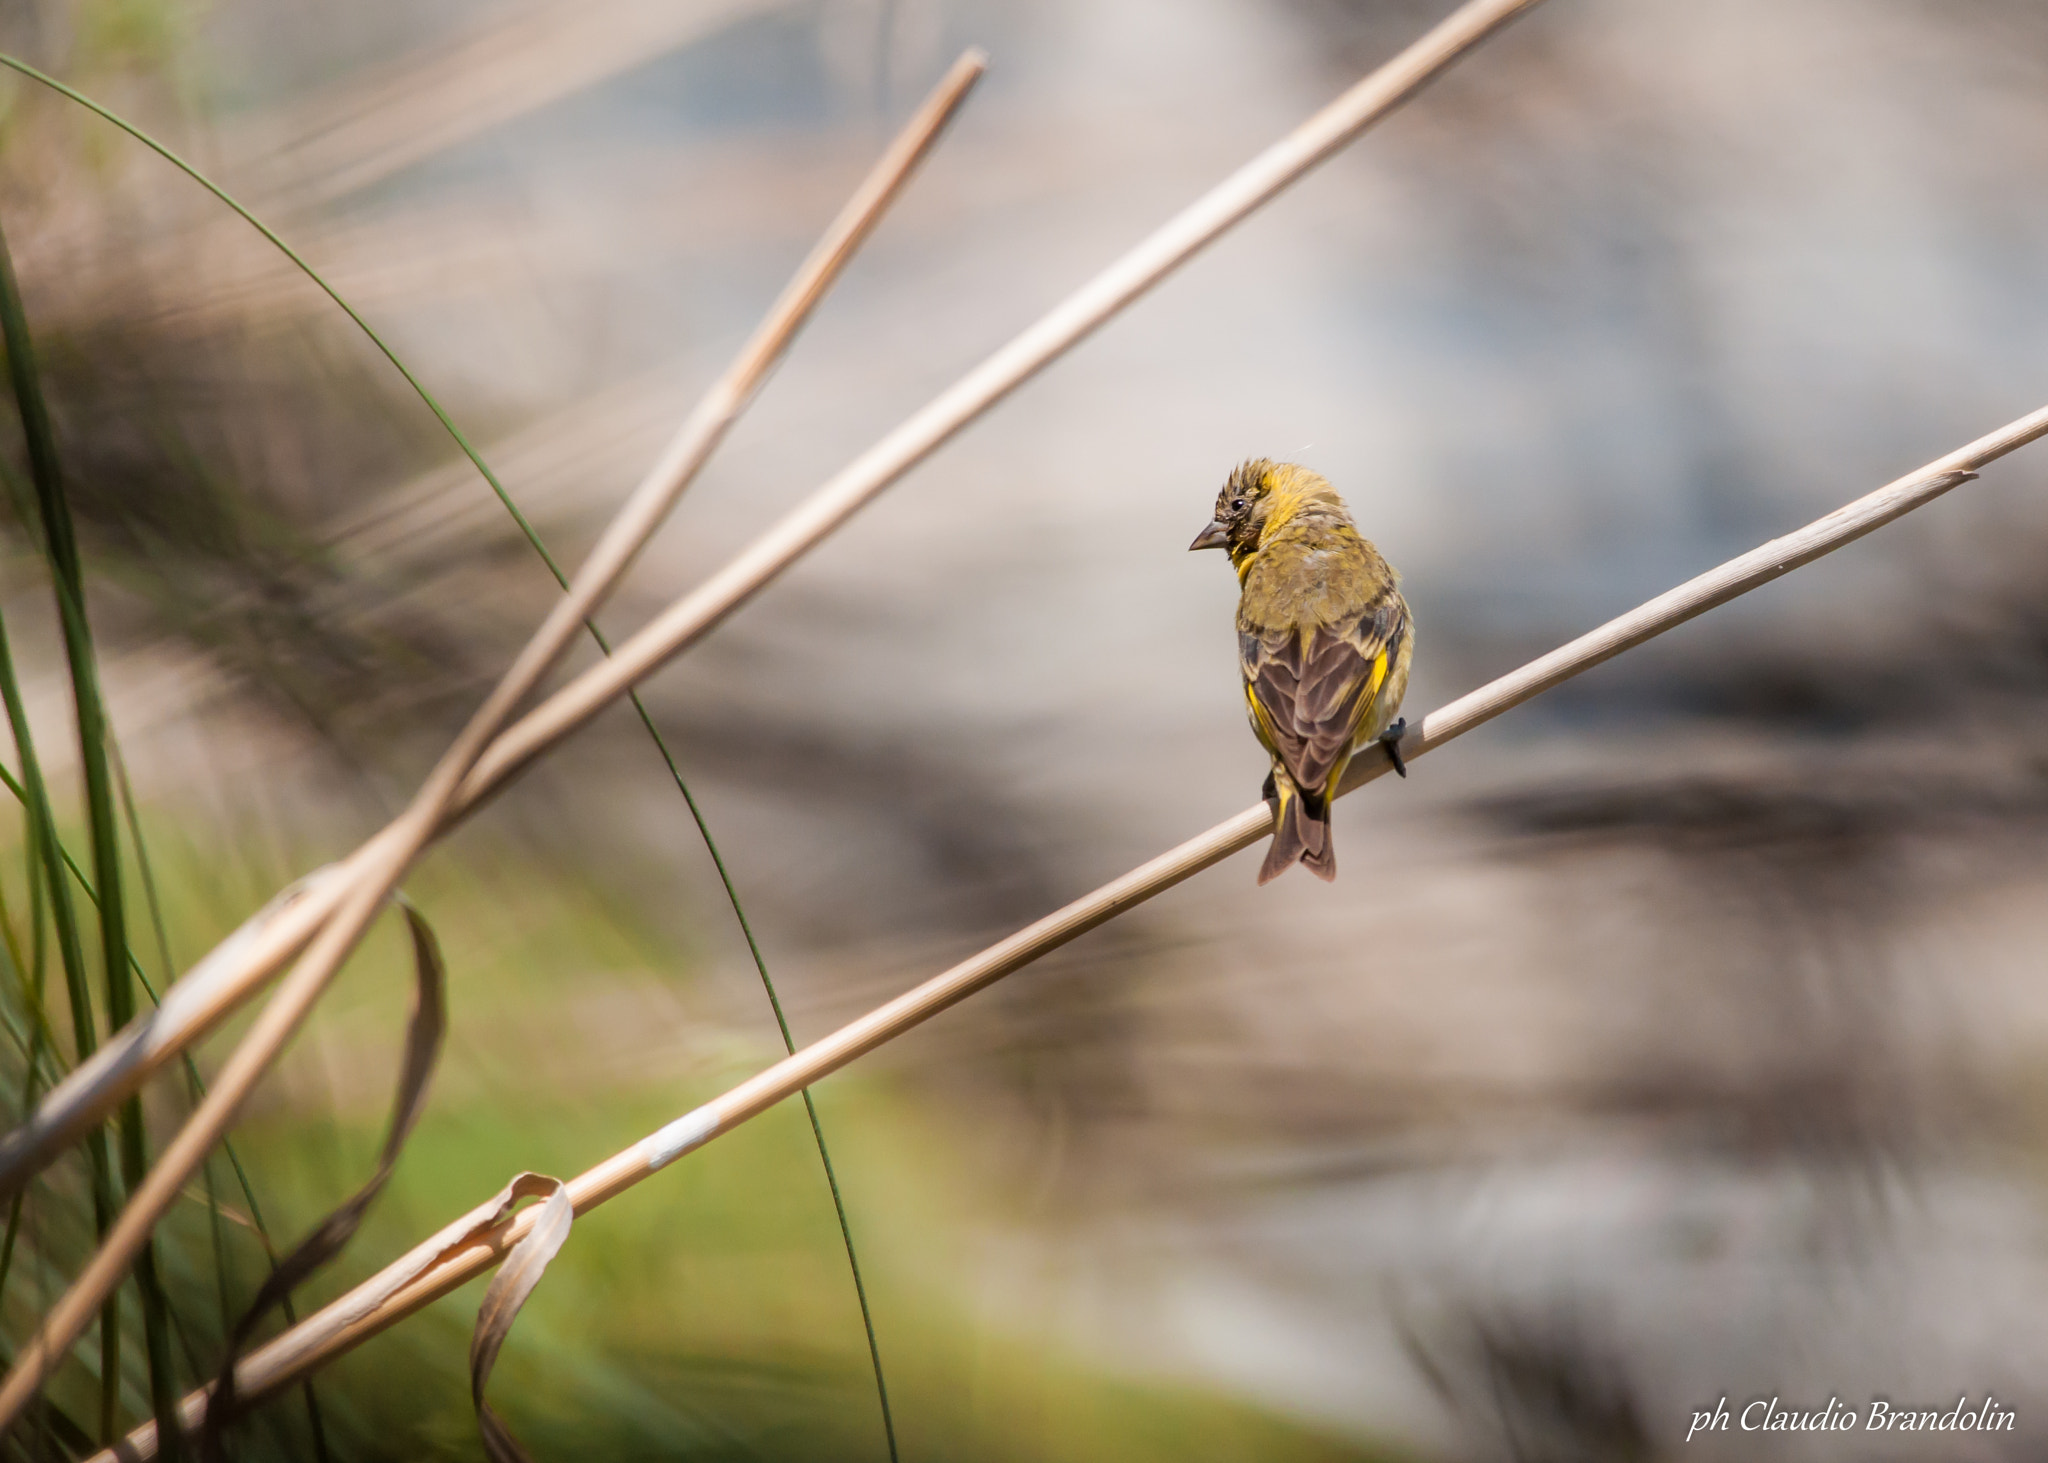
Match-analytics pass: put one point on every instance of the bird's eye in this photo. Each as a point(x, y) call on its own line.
point(1237, 503)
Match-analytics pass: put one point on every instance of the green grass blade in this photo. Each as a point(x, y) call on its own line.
point(64, 920)
point(195, 1090)
point(33, 996)
point(146, 875)
point(39, 1046)
point(59, 541)
point(29, 983)
point(739, 911)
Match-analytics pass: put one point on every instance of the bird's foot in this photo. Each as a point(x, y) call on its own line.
point(1392, 737)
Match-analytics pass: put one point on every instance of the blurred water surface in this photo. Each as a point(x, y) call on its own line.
point(1672, 1039)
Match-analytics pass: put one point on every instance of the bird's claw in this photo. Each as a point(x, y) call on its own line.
point(1392, 737)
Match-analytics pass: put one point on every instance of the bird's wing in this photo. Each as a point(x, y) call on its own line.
point(1309, 696)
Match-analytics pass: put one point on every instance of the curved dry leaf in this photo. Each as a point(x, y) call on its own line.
point(423, 1037)
point(509, 1289)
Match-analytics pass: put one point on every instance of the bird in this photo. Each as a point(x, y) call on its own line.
point(1324, 642)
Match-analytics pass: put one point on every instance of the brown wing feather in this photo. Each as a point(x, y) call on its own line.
point(1311, 701)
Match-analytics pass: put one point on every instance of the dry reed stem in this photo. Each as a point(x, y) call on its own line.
point(691, 617)
point(137, 1051)
point(433, 1269)
point(374, 871)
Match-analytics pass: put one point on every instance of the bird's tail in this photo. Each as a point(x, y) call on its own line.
point(1301, 834)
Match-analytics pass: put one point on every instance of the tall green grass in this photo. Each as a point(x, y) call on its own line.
point(57, 538)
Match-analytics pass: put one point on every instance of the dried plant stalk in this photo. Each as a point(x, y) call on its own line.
point(232, 977)
point(376, 869)
point(1067, 325)
point(427, 1274)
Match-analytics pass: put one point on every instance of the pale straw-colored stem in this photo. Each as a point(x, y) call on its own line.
point(136, 1052)
point(365, 1311)
point(370, 876)
point(1069, 323)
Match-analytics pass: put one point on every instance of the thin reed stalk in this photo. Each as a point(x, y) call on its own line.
point(1059, 331)
point(235, 970)
point(431, 1271)
point(383, 862)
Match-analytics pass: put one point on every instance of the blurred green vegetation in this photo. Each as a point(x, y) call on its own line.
point(706, 1313)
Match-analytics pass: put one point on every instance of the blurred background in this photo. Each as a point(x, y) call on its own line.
point(1677, 1037)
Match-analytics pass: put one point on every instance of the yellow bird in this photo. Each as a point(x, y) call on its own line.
point(1323, 640)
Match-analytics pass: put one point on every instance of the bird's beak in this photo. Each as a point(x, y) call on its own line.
point(1215, 536)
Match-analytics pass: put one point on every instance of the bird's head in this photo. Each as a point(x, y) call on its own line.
point(1254, 495)
point(1241, 509)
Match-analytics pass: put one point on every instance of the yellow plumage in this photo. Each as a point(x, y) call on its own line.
point(1324, 640)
